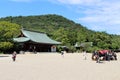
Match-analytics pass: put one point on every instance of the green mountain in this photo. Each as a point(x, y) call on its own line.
point(66, 31)
point(43, 23)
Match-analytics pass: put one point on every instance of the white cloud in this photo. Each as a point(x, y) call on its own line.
point(74, 2)
point(102, 13)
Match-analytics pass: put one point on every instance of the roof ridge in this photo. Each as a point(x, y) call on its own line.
point(33, 31)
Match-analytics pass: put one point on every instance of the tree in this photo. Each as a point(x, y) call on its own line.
point(7, 32)
point(62, 36)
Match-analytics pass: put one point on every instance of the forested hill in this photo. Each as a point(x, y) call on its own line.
point(43, 23)
point(66, 31)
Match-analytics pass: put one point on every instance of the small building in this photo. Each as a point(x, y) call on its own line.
point(36, 41)
point(83, 46)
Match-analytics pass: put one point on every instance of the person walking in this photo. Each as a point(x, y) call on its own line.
point(62, 53)
point(14, 55)
point(85, 55)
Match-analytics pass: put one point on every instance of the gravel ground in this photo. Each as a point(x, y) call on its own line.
point(53, 66)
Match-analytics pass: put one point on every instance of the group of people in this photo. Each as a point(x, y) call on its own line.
point(104, 55)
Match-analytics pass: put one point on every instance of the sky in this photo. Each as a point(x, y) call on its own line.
point(97, 15)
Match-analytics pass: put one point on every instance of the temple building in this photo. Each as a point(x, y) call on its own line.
point(36, 41)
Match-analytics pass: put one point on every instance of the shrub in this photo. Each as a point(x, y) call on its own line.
point(4, 46)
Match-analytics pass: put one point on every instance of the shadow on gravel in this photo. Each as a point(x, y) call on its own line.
point(3, 56)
